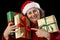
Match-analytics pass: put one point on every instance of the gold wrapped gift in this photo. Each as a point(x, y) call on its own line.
point(48, 23)
point(20, 32)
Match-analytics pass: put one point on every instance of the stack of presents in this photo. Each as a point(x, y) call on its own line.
point(48, 23)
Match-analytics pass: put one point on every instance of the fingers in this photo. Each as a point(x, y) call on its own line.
point(13, 31)
point(13, 26)
point(34, 29)
point(10, 24)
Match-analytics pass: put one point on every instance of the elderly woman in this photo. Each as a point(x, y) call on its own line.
point(34, 12)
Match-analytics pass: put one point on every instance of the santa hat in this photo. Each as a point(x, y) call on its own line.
point(27, 5)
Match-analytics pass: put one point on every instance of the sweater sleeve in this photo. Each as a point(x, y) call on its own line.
point(3, 38)
point(54, 36)
point(9, 38)
point(13, 38)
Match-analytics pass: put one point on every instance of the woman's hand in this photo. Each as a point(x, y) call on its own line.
point(41, 33)
point(8, 30)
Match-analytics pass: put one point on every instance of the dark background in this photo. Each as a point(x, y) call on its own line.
point(50, 7)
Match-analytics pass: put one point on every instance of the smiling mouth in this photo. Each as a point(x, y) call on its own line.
point(34, 17)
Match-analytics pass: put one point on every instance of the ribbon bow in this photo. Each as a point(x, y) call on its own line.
point(47, 25)
point(27, 28)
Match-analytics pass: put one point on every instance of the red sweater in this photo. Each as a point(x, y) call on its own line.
point(53, 36)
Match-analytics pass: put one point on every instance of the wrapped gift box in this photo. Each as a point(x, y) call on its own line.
point(10, 18)
point(21, 23)
point(48, 23)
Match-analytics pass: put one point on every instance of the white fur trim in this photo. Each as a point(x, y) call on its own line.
point(30, 5)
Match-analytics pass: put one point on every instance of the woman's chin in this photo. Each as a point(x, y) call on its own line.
point(34, 20)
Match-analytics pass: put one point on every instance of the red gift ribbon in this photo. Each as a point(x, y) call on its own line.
point(27, 28)
point(10, 21)
point(16, 13)
point(19, 25)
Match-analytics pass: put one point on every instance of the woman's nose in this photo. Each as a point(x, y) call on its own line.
point(32, 13)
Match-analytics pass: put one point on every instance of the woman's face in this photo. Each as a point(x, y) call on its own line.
point(33, 14)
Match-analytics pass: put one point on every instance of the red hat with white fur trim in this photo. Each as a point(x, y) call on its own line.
point(27, 5)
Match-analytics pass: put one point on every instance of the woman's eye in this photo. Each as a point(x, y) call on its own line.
point(29, 13)
point(34, 10)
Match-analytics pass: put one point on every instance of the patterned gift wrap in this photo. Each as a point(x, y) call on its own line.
point(48, 23)
point(22, 25)
point(10, 18)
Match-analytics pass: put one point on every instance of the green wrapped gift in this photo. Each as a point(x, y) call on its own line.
point(48, 23)
point(10, 18)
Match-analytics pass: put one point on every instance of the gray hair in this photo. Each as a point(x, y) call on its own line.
point(42, 13)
